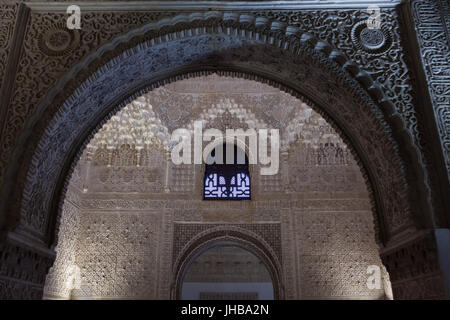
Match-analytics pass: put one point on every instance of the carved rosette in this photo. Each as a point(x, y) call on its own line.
point(373, 41)
point(59, 40)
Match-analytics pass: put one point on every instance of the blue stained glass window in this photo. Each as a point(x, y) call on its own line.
point(227, 181)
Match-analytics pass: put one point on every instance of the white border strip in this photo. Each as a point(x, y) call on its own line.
point(124, 6)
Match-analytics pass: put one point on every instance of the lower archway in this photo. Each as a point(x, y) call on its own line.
point(226, 271)
point(243, 241)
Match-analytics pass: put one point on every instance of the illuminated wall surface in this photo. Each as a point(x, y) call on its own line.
point(130, 213)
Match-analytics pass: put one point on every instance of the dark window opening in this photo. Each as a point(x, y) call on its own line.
point(227, 180)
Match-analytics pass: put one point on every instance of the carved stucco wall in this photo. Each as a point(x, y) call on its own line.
point(34, 69)
point(135, 217)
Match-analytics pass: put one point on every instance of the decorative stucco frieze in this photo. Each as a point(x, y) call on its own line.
point(8, 12)
point(431, 22)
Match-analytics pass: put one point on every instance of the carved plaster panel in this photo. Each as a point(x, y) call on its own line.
point(432, 24)
point(8, 12)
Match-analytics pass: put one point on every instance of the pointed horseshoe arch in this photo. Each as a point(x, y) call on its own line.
point(198, 44)
point(227, 235)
